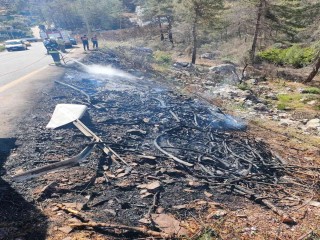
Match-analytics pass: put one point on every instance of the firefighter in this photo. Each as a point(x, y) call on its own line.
point(94, 41)
point(85, 42)
point(45, 43)
point(53, 47)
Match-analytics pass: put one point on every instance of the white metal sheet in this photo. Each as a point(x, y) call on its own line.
point(66, 113)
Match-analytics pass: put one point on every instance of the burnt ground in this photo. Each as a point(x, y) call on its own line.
point(152, 128)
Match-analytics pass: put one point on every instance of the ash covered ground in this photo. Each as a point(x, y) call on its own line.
point(151, 127)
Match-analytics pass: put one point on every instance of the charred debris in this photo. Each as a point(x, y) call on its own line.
point(146, 156)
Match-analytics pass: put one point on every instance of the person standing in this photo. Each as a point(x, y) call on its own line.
point(45, 43)
point(85, 42)
point(94, 40)
point(52, 47)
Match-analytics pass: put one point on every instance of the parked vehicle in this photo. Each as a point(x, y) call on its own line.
point(55, 33)
point(73, 41)
point(32, 39)
point(26, 42)
point(12, 45)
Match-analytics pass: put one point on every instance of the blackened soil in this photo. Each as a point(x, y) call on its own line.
point(130, 115)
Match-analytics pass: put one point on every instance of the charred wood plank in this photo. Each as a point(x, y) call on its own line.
point(142, 230)
point(55, 166)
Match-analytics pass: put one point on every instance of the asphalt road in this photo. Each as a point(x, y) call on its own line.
point(14, 65)
point(24, 77)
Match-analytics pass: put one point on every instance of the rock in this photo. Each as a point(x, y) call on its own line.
point(313, 124)
point(283, 115)
point(210, 55)
point(249, 230)
point(149, 51)
point(289, 89)
point(160, 210)
point(248, 103)
point(217, 214)
point(168, 224)
point(105, 167)
point(286, 122)
point(312, 103)
point(74, 205)
point(223, 69)
point(252, 81)
point(272, 96)
point(181, 64)
point(260, 107)
point(225, 73)
point(65, 229)
point(100, 180)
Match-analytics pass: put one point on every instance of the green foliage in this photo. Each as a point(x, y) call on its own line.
point(281, 106)
point(244, 86)
point(289, 97)
point(162, 57)
point(209, 234)
point(290, 101)
point(94, 14)
point(312, 90)
point(2, 48)
point(295, 56)
point(155, 8)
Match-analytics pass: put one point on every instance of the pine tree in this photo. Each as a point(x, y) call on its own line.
point(197, 13)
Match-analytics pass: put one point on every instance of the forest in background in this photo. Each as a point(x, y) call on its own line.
point(285, 32)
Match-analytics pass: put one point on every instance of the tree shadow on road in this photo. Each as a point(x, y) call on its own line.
point(19, 219)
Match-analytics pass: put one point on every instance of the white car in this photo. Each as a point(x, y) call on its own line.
point(12, 45)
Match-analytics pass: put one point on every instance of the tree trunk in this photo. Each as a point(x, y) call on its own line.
point(160, 26)
point(256, 32)
point(85, 16)
point(314, 71)
point(194, 38)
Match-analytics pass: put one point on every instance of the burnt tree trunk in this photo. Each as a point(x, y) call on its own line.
point(161, 32)
point(169, 19)
point(194, 39)
point(256, 32)
point(314, 71)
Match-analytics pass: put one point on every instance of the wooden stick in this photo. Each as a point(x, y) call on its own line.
point(75, 213)
point(142, 230)
point(285, 218)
